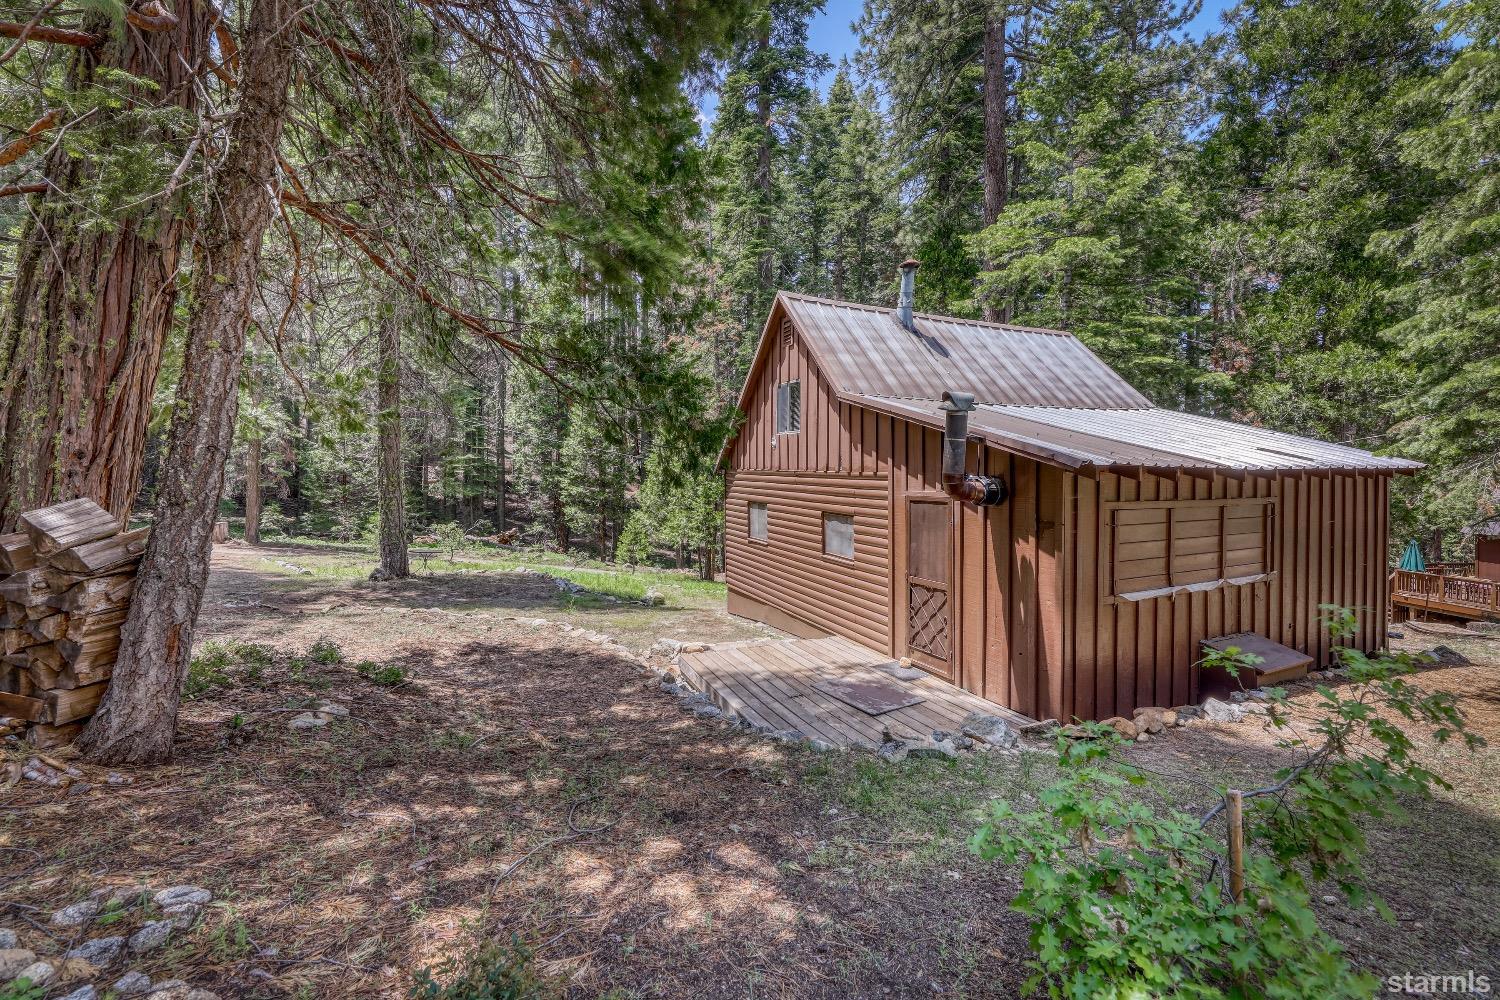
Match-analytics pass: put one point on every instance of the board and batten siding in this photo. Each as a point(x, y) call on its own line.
point(789, 570)
point(1035, 626)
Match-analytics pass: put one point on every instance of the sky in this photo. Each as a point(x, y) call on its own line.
point(829, 33)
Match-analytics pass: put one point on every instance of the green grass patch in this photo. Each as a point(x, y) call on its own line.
point(226, 664)
point(388, 675)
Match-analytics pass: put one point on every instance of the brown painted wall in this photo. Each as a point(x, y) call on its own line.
point(1034, 628)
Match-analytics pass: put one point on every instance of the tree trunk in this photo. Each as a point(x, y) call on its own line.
point(500, 474)
point(90, 309)
point(252, 491)
point(395, 564)
point(137, 720)
point(996, 128)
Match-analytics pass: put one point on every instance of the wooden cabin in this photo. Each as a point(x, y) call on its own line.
point(1115, 538)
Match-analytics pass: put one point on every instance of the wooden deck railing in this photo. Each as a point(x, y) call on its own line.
point(1457, 595)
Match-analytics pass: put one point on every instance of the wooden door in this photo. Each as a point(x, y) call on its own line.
point(929, 585)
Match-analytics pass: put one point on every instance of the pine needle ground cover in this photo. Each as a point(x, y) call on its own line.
point(505, 789)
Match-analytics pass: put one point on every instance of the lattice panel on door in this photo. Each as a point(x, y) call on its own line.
point(927, 620)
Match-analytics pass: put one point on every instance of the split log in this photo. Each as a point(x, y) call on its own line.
point(86, 626)
point(12, 615)
point(54, 626)
point(89, 655)
point(60, 581)
point(104, 555)
point(45, 737)
point(28, 587)
point(65, 525)
point(17, 639)
point(39, 611)
point(221, 531)
point(99, 593)
point(15, 678)
point(62, 707)
point(46, 657)
point(20, 707)
point(16, 552)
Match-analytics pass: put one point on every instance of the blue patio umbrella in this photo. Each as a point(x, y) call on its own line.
point(1411, 559)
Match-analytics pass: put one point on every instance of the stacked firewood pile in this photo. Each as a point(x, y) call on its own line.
point(65, 580)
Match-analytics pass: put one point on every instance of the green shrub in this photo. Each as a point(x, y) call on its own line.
point(275, 524)
point(326, 652)
point(1127, 901)
point(21, 989)
point(224, 665)
point(389, 675)
point(495, 972)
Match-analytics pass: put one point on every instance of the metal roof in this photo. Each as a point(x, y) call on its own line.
point(1040, 393)
point(865, 349)
point(1148, 438)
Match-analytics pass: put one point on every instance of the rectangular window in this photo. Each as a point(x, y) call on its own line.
point(1167, 544)
point(759, 522)
point(838, 535)
point(789, 407)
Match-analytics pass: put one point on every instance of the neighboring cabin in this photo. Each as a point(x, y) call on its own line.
point(1126, 535)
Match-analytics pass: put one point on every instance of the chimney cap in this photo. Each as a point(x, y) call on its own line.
point(910, 262)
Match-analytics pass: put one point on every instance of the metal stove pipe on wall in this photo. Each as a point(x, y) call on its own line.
point(984, 491)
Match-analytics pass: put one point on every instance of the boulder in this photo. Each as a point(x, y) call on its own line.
point(653, 598)
point(1151, 720)
point(668, 648)
point(990, 730)
point(76, 915)
point(182, 915)
point(307, 720)
point(132, 984)
point(151, 936)
point(178, 894)
point(82, 993)
point(936, 748)
point(8, 939)
point(98, 952)
point(1123, 726)
point(38, 973)
point(13, 960)
point(1223, 711)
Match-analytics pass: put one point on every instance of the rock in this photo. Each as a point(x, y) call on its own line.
point(819, 746)
point(1143, 738)
point(695, 647)
point(127, 897)
point(938, 748)
point(653, 598)
point(330, 710)
point(964, 743)
point(132, 984)
point(893, 751)
point(182, 915)
point(169, 989)
point(99, 952)
point(8, 939)
point(1237, 696)
point(1151, 720)
point(306, 720)
point(707, 711)
point(82, 993)
point(1123, 726)
point(1447, 654)
point(13, 960)
point(900, 670)
point(76, 915)
point(1044, 728)
point(1396, 633)
point(990, 730)
point(38, 973)
point(1223, 711)
point(668, 648)
point(151, 936)
point(179, 894)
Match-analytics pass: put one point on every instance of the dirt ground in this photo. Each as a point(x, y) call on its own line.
point(523, 782)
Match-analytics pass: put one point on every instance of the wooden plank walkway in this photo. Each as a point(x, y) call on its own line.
point(771, 685)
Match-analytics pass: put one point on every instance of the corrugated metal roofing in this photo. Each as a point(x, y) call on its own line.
point(865, 349)
point(1040, 393)
point(1149, 438)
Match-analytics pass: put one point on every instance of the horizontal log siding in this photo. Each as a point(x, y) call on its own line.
point(789, 571)
point(1327, 545)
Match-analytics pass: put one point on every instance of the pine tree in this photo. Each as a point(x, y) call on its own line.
point(1449, 256)
point(863, 207)
point(1306, 170)
point(1097, 238)
point(765, 90)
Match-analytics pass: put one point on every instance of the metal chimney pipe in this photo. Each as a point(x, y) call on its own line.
point(908, 297)
point(984, 491)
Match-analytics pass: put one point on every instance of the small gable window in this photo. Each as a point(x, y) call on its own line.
point(759, 522)
point(789, 407)
point(838, 535)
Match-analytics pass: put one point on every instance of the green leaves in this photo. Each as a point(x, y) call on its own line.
point(1124, 899)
